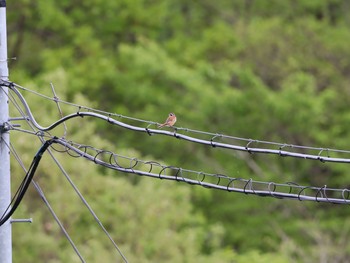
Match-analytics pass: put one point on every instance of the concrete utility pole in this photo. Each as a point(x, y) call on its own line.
point(5, 189)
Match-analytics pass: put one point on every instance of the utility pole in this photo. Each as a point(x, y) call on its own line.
point(5, 182)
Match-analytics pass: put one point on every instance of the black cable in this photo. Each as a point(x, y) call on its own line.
point(25, 183)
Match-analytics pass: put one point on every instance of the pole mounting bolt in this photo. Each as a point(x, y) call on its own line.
point(5, 127)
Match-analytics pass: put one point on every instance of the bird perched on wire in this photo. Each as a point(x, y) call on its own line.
point(170, 121)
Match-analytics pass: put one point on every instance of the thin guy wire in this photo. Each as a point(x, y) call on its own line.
point(81, 106)
point(56, 100)
point(86, 204)
point(42, 195)
point(46, 202)
point(250, 186)
point(76, 189)
point(214, 135)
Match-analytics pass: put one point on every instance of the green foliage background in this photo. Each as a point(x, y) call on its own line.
point(270, 70)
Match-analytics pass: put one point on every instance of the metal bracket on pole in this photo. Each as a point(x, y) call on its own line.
point(28, 220)
point(25, 118)
point(13, 58)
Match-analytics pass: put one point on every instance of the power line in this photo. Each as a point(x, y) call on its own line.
point(216, 181)
point(153, 169)
point(289, 190)
point(248, 186)
point(25, 183)
point(318, 153)
point(211, 142)
point(245, 141)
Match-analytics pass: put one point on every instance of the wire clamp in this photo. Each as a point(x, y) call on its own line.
point(5, 83)
point(320, 157)
point(247, 146)
point(281, 153)
point(212, 143)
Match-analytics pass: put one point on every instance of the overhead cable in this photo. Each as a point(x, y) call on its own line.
point(244, 141)
point(175, 133)
point(47, 203)
point(25, 183)
point(289, 190)
point(295, 191)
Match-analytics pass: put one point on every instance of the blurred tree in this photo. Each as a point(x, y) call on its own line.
point(268, 70)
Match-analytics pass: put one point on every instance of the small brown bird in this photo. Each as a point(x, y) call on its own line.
point(170, 121)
